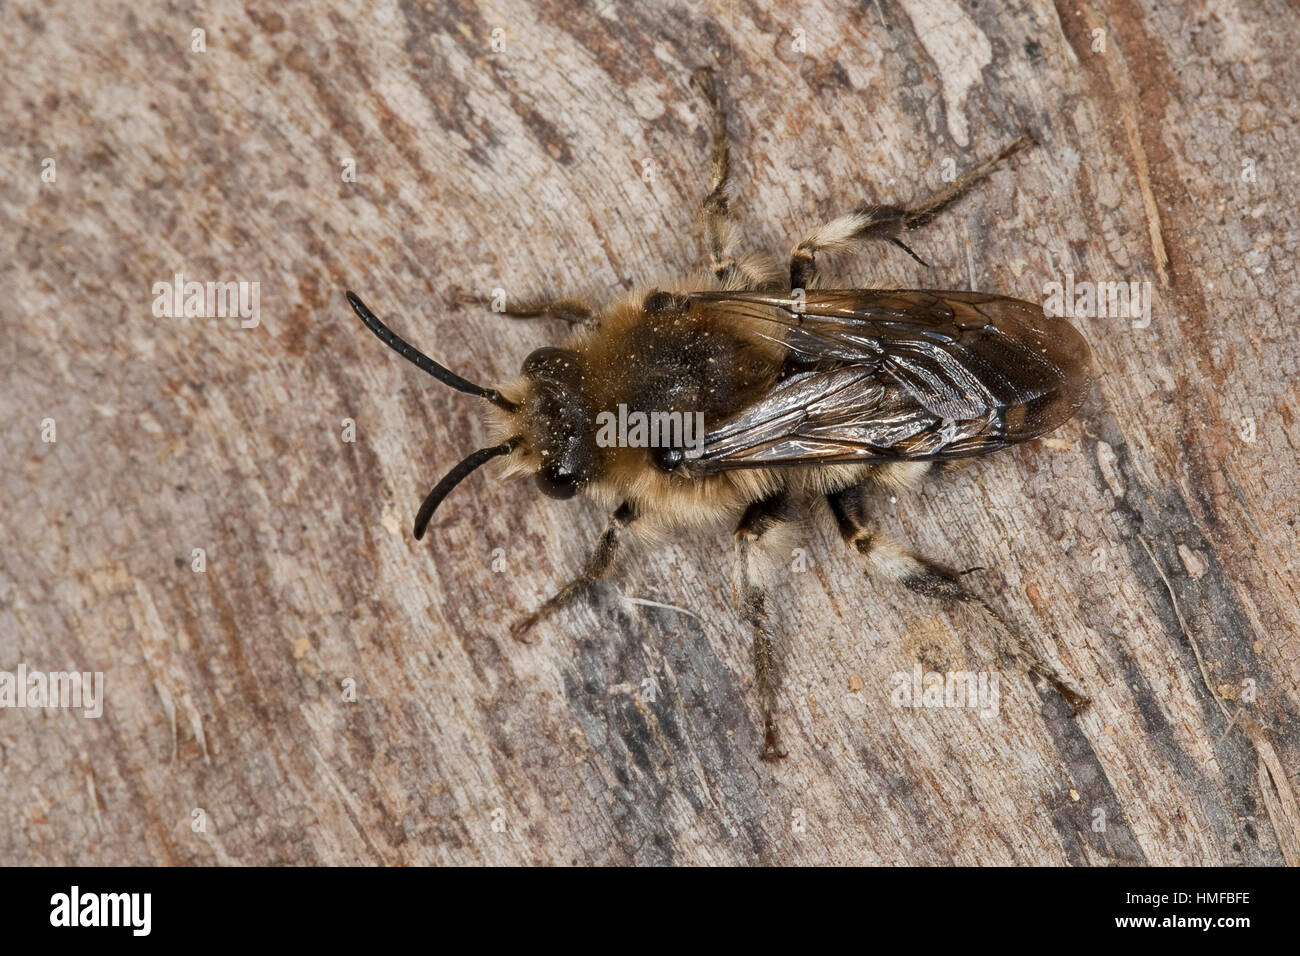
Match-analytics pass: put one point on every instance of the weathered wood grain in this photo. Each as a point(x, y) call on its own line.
point(1149, 546)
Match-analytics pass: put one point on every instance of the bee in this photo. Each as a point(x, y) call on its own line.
point(808, 397)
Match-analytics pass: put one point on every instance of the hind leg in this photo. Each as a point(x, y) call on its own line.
point(870, 222)
point(884, 556)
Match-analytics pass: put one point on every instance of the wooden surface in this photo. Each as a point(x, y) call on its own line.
point(1149, 546)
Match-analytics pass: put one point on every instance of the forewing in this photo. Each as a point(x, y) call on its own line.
point(878, 375)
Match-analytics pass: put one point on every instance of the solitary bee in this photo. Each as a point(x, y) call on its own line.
point(806, 395)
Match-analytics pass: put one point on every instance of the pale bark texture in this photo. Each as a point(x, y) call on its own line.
point(326, 690)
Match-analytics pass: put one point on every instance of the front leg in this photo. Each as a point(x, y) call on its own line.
point(761, 517)
point(570, 311)
point(597, 566)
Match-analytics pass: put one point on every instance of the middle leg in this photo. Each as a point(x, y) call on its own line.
point(733, 270)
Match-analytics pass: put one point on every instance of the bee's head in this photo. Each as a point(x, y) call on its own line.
point(556, 422)
point(552, 422)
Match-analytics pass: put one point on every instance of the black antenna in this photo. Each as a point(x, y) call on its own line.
point(455, 477)
point(422, 361)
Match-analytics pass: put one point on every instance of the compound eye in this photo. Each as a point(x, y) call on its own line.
point(554, 482)
point(556, 366)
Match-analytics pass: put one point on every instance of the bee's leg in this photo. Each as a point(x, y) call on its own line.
point(869, 222)
point(758, 519)
point(597, 566)
point(571, 311)
point(885, 556)
point(864, 223)
point(931, 206)
point(721, 233)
